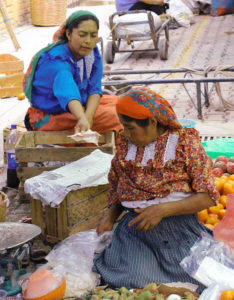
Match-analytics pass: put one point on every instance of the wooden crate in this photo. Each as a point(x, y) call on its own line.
point(80, 210)
point(27, 151)
point(11, 76)
point(20, 127)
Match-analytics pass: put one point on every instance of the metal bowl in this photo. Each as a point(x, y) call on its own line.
point(16, 234)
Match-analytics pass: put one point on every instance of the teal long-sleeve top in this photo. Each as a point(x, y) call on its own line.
point(60, 78)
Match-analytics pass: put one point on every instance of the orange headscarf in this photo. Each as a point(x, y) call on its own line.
point(143, 103)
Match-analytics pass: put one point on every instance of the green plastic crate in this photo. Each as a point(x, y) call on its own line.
point(219, 146)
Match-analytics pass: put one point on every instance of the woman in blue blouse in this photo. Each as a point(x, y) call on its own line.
point(63, 82)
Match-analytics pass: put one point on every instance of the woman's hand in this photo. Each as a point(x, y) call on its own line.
point(147, 218)
point(109, 220)
point(82, 124)
point(106, 224)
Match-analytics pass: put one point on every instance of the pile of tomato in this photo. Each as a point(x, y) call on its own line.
point(225, 185)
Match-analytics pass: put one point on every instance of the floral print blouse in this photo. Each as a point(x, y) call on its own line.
point(174, 162)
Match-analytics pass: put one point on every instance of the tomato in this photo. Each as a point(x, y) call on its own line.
point(227, 295)
point(202, 215)
point(228, 187)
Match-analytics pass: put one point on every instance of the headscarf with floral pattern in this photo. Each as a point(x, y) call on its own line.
point(143, 103)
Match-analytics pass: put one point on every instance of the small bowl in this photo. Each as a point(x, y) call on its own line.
point(57, 293)
point(188, 123)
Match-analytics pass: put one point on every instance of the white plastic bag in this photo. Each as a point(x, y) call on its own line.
point(180, 12)
point(212, 263)
point(214, 292)
point(73, 258)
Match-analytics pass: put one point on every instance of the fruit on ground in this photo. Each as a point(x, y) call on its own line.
point(21, 96)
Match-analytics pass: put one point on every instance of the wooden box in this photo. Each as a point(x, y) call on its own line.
point(80, 210)
point(27, 151)
point(11, 76)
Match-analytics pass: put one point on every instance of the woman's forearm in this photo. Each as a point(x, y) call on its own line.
point(189, 205)
point(153, 2)
point(115, 211)
point(76, 109)
point(92, 105)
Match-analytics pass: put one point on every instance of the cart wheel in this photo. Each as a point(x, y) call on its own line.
point(163, 48)
point(110, 53)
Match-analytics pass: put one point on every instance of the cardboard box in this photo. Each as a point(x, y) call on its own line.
point(11, 76)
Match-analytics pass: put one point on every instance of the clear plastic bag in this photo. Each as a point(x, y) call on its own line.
point(213, 292)
point(211, 262)
point(73, 258)
point(224, 230)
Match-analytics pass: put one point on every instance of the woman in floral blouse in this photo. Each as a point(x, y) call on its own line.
point(161, 177)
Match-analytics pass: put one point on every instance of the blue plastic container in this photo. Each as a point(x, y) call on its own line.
point(188, 123)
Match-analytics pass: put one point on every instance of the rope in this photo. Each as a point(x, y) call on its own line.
point(220, 71)
point(226, 105)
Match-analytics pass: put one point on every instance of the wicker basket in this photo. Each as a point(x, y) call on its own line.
point(3, 206)
point(48, 12)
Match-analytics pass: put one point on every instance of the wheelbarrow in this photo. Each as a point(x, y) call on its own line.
point(137, 25)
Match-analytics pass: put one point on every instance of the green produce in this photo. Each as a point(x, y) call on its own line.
point(145, 295)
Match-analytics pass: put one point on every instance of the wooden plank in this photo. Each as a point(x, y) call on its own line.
point(12, 80)
point(24, 173)
point(37, 214)
point(55, 154)
point(82, 209)
point(8, 92)
point(29, 139)
point(62, 220)
point(10, 63)
point(51, 220)
point(77, 196)
point(53, 137)
point(20, 142)
point(89, 223)
point(60, 137)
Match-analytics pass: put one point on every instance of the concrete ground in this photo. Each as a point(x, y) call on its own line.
point(208, 42)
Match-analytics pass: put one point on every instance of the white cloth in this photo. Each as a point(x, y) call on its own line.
point(88, 136)
point(176, 196)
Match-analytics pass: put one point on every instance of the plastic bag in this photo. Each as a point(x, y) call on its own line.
point(180, 12)
point(213, 292)
point(224, 230)
point(73, 258)
point(212, 263)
